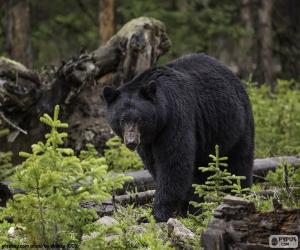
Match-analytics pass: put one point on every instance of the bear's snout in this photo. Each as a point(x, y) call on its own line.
point(131, 137)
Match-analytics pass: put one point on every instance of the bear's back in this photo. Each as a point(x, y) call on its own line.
point(200, 75)
point(203, 68)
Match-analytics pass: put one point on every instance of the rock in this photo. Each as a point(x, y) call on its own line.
point(11, 232)
point(179, 234)
point(237, 201)
point(95, 234)
point(111, 237)
point(234, 208)
point(139, 229)
point(107, 221)
point(92, 235)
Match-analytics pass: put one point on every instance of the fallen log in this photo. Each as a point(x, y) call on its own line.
point(109, 206)
point(262, 166)
point(142, 180)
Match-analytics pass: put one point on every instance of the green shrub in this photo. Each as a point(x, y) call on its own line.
point(55, 181)
point(6, 167)
point(277, 119)
point(284, 181)
point(119, 158)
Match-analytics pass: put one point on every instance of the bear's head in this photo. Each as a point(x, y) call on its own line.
point(131, 112)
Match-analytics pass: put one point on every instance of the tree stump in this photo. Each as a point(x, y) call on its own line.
point(237, 225)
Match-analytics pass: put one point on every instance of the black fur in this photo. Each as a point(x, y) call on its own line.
point(182, 110)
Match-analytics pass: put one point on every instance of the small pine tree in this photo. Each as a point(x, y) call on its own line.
point(55, 181)
point(216, 187)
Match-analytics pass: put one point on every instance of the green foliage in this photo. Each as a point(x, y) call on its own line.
point(277, 119)
point(285, 181)
point(61, 29)
point(125, 235)
point(262, 203)
point(119, 158)
point(6, 167)
point(150, 239)
point(195, 224)
point(218, 184)
point(4, 227)
point(55, 181)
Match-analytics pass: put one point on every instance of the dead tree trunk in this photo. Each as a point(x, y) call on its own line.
point(24, 95)
point(17, 38)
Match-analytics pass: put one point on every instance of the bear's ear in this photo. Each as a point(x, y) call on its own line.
point(110, 94)
point(149, 90)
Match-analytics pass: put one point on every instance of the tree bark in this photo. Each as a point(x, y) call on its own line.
point(106, 20)
point(265, 55)
point(183, 5)
point(17, 34)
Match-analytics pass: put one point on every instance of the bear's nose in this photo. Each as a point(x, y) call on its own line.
point(131, 140)
point(132, 145)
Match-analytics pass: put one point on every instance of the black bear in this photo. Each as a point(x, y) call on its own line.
point(174, 115)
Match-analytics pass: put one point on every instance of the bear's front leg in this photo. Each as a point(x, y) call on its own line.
point(173, 182)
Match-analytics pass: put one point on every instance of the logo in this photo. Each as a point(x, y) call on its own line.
point(283, 241)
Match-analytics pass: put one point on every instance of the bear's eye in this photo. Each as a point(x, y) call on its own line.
point(122, 120)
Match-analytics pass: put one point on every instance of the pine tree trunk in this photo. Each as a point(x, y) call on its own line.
point(265, 63)
point(183, 5)
point(106, 20)
point(247, 41)
point(17, 34)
